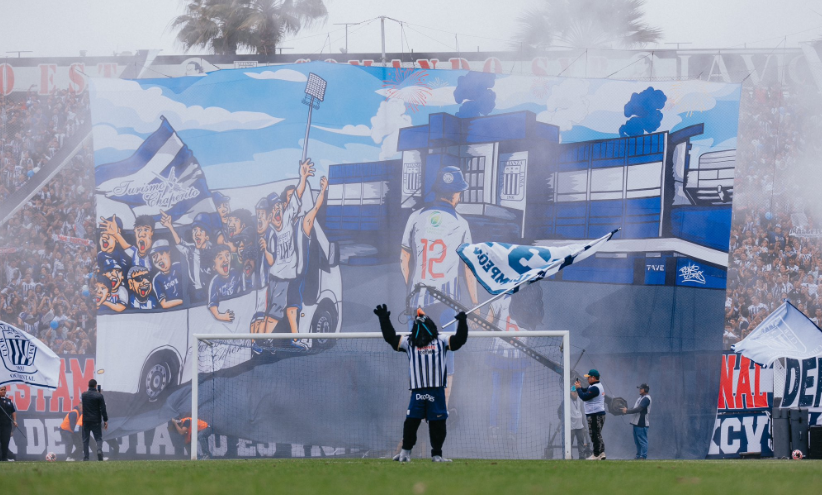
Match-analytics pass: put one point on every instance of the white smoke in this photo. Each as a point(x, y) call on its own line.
point(386, 125)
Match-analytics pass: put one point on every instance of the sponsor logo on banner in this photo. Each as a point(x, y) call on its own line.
point(17, 352)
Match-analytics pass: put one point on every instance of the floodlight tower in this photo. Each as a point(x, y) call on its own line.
point(314, 94)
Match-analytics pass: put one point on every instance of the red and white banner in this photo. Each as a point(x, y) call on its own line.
point(74, 240)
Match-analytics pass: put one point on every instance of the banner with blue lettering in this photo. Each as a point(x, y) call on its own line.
point(295, 198)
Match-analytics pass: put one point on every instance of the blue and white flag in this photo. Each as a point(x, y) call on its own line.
point(786, 332)
point(501, 267)
point(26, 359)
point(162, 175)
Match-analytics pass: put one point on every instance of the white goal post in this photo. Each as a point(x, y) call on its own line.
point(207, 338)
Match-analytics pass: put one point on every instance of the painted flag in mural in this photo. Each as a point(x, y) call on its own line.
point(501, 267)
point(26, 359)
point(162, 175)
point(786, 332)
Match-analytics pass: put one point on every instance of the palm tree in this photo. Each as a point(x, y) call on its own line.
point(225, 26)
point(586, 24)
point(268, 21)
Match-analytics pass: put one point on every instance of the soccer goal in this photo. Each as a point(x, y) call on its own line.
point(347, 394)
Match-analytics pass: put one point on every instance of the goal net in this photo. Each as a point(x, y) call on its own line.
point(347, 395)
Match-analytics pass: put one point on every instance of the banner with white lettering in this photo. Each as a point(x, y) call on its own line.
point(26, 359)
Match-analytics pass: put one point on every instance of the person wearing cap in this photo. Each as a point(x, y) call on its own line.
point(594, 398)
point(117, 292)
point(428, 256)
point(639, 418)
point(281, 253)
point(167, 284)
point(199, 273)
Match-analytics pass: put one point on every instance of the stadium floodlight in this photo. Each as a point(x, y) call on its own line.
point(349, 393)
point(315, 87)
point(314, 94)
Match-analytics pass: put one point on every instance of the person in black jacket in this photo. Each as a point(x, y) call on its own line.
point(94, 414)
point(8, 421)
point(427, 353)
point(640, 419)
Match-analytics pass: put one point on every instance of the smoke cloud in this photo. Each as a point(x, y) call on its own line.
point(475, 94)
point(644, 113)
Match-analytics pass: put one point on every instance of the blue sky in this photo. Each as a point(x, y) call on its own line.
point(246, 126)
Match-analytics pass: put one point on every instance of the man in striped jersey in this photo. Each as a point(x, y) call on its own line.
point(428, 373)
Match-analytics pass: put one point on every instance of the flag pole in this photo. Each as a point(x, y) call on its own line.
point(509, 291)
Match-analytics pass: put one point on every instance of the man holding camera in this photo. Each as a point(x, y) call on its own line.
point(95, 418)
point(594, 398)
point(640, 412)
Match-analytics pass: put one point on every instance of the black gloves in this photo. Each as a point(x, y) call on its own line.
point(458, 339)
point(387, 329)
point(382, 311)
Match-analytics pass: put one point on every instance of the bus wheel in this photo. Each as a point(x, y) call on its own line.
point(324, 321)
point(158, 375)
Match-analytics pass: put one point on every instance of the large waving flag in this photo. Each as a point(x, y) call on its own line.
point(26, 359)
point(786, 332)
point(162, 175)
point(502, 267)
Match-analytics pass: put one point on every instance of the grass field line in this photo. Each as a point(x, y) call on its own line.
point(421, 476)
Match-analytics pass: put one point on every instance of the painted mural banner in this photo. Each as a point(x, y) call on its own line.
point(294, 198)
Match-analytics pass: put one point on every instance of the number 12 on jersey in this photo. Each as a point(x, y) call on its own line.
point(428, 264)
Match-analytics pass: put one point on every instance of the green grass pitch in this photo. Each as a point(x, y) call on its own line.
point(357, 477)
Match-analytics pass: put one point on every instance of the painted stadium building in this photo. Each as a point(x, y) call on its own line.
point(674, 208)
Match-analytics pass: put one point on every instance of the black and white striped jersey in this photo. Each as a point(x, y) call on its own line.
point(426, 365)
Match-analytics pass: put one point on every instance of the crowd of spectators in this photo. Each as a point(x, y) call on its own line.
point(47, 248)
point(775, 244)
point(32, 129)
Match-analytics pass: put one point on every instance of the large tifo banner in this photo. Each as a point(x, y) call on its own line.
point(295, 198)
